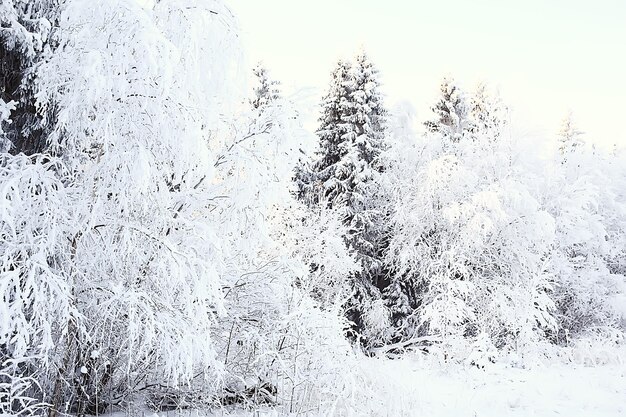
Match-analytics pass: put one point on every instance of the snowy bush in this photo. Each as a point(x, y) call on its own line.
point(152, 233)
point(36, 284)
point(490, 240)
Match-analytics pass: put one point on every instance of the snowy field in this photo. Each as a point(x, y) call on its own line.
point(411, 387)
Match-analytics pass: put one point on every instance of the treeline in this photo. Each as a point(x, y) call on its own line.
point(466, 236)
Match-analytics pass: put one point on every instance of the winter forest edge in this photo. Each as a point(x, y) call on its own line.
point(168, 242)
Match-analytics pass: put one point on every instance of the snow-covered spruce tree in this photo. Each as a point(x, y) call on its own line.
point(366, 201)
point(266, 90)
point(26, 37)
point(322, 187)
point(344, 178)
point(315, 180)
point(569, 136)
point(452, 113)
point(488, 115)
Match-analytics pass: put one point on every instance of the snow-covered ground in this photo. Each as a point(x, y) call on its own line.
point(413, 387)
point(409, 388)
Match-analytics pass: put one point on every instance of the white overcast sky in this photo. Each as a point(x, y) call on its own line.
point(546, 57)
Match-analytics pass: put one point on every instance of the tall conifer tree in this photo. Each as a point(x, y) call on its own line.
point(343, 177)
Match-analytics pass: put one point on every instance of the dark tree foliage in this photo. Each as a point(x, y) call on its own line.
point(26, 37)
point(343, 177)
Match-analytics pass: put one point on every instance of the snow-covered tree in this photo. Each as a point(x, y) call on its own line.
point(134, 132)
point(344, 177)
point(487, 113)
point(266, 90)
point(322, 185)
point(366, 138)
point(36, 294)
point(366, 111)
point(165, 264)
point(25, 38)
point(452, 113)
point(569, 136)
point(471, 241)
point(286, 269)
point(583, 193)
point(133, 259)
point(498, 248)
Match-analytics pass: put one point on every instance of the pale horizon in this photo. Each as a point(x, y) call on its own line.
point(545, 59)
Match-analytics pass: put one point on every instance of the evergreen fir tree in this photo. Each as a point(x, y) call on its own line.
point(451, 113)
point(344, 176)
point(367, 114)
point(267, 90)
point(316, 182)
point(570, 137)
point(25, 39)
point(365, 137)
point(487, 113)
point(323, 183)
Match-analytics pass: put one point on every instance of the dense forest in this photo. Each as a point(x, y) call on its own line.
point(171, 239)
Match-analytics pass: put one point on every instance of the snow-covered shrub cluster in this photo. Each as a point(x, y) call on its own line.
point(497, 246)
point(150, 250)
point(469, 241)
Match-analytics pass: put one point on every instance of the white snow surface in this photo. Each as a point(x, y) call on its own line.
point(412, 387)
